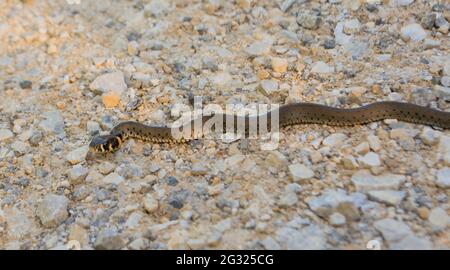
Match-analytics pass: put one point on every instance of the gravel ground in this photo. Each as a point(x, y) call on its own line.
point(71, 71)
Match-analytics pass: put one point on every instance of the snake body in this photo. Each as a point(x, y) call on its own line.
point(289, 114)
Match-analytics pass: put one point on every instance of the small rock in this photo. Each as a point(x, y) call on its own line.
point(438, 218)
point(286, 5)
point(279, 65)
point(259, 48)
point(269, 86)
point(288, 199)
point(5, 134)
point(150, 203)
point(77, 155)
point(114, 82)
point(334, 139)
point(445, 81)
point(20, 147)
point(106, 167)
point(412, 242)
point(172, 181)
point(300, 172)
point(374, 142)
point(113, 178)
point(362, 148)
point(413, 32)
point(110, 99)
point(349, 162)
point(351, 26)
point(35, 138)
point(308, 238)
point(329, 43)
point(392, 230)
point(423, 212)
point(369, 160)
point(428, 20)
point(277, 160)
point(270, 244)
point(443, 178)
point(364, 181)
point(389, 197)
point(337, 219)
point(25, 84)
point(308, 20)
point(109, 239)
point(77, 174)
point(400, 3)
point(53, 122)
point(92, 127)
point(199, 168)
point(52, 211)
point(429, 136)
point(321, 67)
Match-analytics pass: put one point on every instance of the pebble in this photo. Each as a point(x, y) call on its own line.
point(270, 244)
point(52, 211)
point(351, 26)
point(329, 43)
point(113, 178)
point(277, 160)
point(25, 84)
point(53, 122)
point(398, 3)
point(413, 32)
point(332, 201)
point(428, 20)
point(438, 218)
point(364, 181)
point(77, 155)
point(349, 162)
point(337, 219)
point(199, 168)
point(412, 242)
point(110, 99)
point(279, 65)
point(77, 174)
point(430, 136)
point(445, 81)
point(109, 82)
point(19, 224)
point(288, 199)
point(362, 148)
point(308, 238)
point(392, 230)
point(5, 134)
point(109, 239)
point(92, 127)
point(443, 178)
point(20, 148)
point(177, 198)
point(106, 167)
point(334, 140)
point(369, 160)
point(374, 143)
point(150, 203)
point(299, 172)
point(35, 138)
point(308, 20)
point(321, 67)
point(269, 86)
point(259, 48)
point(389, 197)
point(172, 181)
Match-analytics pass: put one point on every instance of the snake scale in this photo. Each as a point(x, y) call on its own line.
point(289, 114)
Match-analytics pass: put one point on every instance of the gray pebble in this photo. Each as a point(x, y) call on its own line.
point(52, 211)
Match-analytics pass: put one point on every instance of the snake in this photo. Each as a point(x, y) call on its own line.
point(288, 114)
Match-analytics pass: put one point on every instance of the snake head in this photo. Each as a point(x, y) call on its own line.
point(105, 143)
